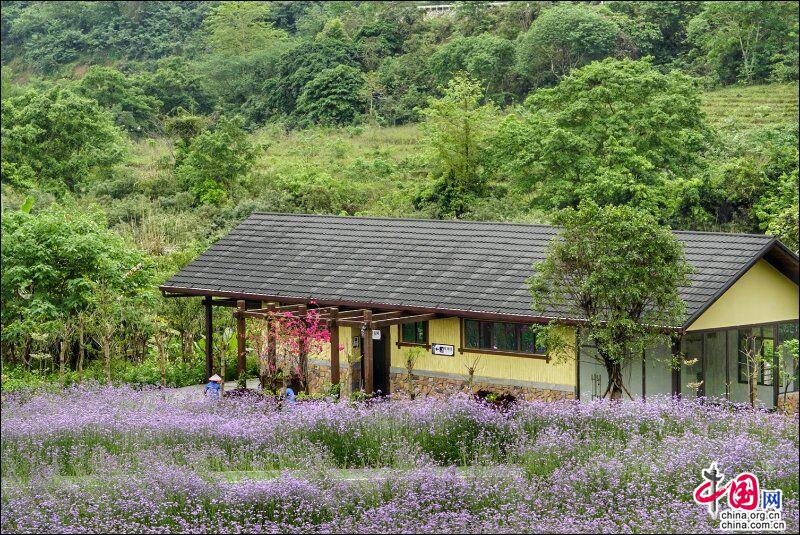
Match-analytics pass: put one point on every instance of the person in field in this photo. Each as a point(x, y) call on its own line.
point(213, 387)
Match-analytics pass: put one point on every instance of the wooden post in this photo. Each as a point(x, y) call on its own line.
point(301, 342)
point(777, 371)
point(272, 354)
point(676, 373)
point(209, 337)
point(240, 339)
point(644, 375)
point(701, 392)
point(727, 367)
point(334, 332)
point(368, 382)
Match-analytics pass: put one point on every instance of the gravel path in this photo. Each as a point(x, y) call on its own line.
point(189, 393)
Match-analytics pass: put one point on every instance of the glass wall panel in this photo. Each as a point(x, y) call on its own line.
point(692, 368)
point(714, 347)
point(791, 373)
point(658, 372)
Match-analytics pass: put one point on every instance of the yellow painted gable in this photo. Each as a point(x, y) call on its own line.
point(762, 295)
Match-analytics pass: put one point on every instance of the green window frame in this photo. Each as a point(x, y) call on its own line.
point(415, 333)
point(502, 337)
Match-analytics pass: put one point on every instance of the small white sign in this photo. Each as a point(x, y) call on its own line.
point(355, 341)
point(376, 334)
point(443, 349)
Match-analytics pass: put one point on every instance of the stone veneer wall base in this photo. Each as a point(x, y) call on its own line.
point(428, 384)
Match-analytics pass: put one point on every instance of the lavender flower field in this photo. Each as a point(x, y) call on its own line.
point(119, 460)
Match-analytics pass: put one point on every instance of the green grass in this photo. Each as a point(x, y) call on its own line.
point(743, 107)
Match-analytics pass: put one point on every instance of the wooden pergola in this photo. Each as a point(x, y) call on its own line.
point(363, 319)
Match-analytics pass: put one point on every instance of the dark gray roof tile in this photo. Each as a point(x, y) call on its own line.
point(453, 265)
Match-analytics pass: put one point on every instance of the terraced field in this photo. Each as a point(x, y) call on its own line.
point(742, 107)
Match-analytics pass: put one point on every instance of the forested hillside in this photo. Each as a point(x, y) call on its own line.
point(135, 133)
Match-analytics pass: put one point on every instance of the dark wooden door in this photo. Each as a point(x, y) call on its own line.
point(381, 362)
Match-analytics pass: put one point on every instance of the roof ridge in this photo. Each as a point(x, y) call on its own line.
point(422, 219)
point(476, 222)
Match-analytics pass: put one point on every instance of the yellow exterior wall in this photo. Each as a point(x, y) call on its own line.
point(447, 331)
point(762, 295)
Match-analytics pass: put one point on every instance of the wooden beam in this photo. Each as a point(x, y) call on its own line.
point(403, 319)
point(209, 337)
point(368, 382)
point(334, 335)
point(241, 349)
point(387, 315)
point(352, 313)
point(357, 323)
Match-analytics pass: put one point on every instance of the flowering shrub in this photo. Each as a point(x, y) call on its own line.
point(121, 460)
point(280, 339)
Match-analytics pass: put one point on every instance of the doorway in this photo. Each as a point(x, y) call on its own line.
point(381, 362)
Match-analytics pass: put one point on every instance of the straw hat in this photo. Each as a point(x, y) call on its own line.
point(215, 378)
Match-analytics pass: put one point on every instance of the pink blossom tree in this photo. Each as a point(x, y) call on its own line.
point(283, 341)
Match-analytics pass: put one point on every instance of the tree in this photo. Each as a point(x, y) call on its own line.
point(333, 97)
point(283, 342)
point(238, 28)
point(669, 18)
point(457, 131)
point(132, 108)
point(216, 158)
point(616, 131)
point(565, 37)
point(745, 41)
point(407, 83)
point(486, 58)
point(749, 184)
point(620, 271)
point(105, 322)
point(62, 139)
point(51, 262)
point(300, 64)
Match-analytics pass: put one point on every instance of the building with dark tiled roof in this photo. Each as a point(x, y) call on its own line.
point(456, 289)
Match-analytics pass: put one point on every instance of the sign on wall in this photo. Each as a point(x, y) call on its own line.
point(376, 334)
point(443, 349)
point(356, 340)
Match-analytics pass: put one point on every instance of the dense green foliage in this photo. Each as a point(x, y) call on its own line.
point(57, 139)
point(178, 119)
point(618, 132)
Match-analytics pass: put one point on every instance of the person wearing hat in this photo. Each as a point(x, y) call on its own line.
point(214, 386)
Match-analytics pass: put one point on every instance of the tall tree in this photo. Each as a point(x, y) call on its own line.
point(565, 37)
point(58, 139)
point(51, 261)
point(617, 268)
point(616, 131)
point(457, 131)
point(237, 28)
point(745, 41)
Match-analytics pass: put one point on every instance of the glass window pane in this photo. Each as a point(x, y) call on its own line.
point(487, 335)
point(742, 368)
point(408, 332)
point(527, 340)
point(506, 334)
point(471, 333)
point(766, 343)
point(420, 331)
